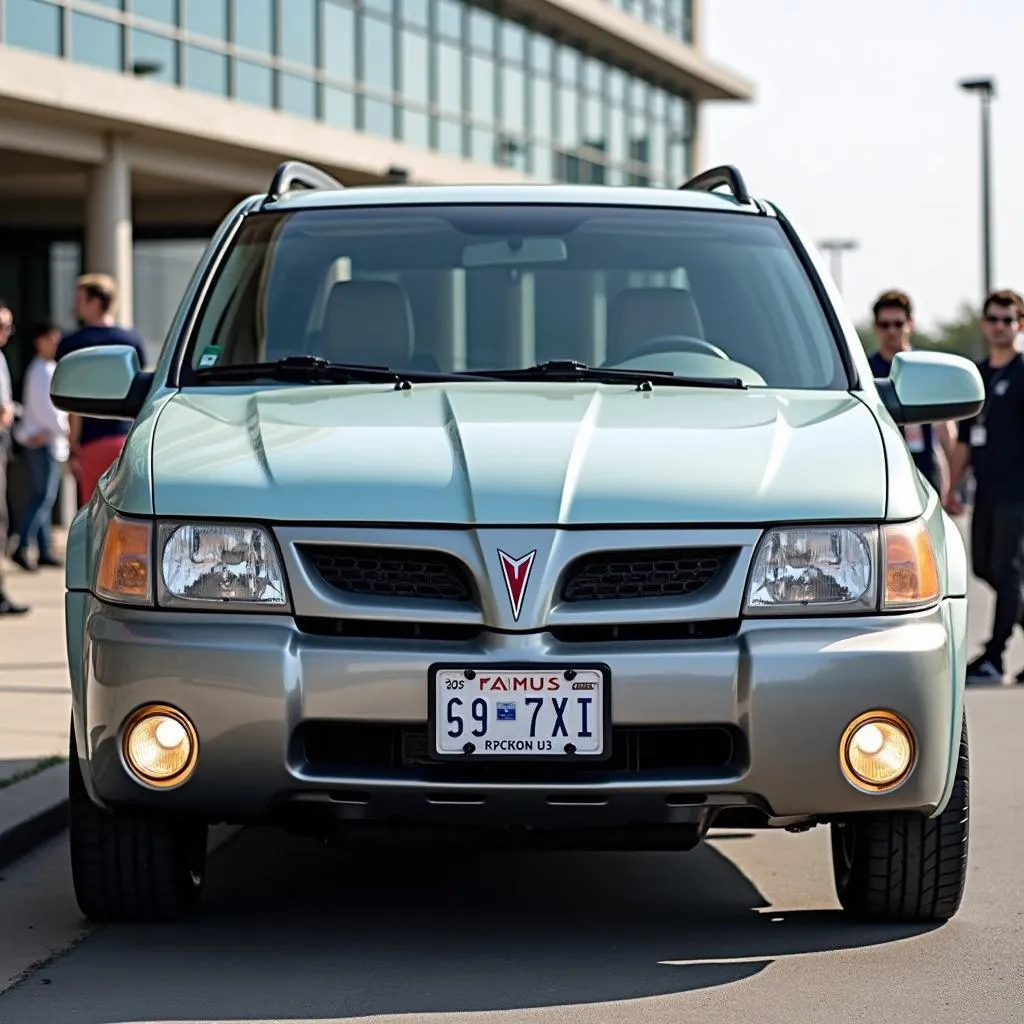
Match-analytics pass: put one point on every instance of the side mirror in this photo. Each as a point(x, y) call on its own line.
point(928, 387)
point(106, 382)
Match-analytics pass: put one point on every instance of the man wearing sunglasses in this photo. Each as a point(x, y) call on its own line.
point(894, 326)
point(992, 444)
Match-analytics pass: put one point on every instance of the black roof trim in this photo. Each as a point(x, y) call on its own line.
point(708, 181)
point(294, 174)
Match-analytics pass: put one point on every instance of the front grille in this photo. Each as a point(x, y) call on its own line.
point(383, 629)
point(628, 575)
point(402, 751)
point(390, 572)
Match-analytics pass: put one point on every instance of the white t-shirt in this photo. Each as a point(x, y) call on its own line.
point(38, 413)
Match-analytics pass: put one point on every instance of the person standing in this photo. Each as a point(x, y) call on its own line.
point(7, 606)
point(894, 326)
point(992, 445)
point(43, 434)
point(94, 443)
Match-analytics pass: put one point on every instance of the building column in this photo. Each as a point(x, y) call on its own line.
point(108, 227)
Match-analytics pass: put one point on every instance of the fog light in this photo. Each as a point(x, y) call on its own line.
point(160, 745)
point(877, 751)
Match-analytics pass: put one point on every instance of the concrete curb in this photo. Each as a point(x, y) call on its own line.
point(33, 811)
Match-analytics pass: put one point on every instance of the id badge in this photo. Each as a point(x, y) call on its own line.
point(978, 435)
point(915, 438)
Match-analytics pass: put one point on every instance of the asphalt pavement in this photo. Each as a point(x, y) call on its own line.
point(743, 929)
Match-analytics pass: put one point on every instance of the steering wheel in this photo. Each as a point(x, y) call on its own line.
point(674, 343)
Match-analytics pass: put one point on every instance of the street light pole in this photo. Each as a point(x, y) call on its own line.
point(835, 247)
point(986, 89)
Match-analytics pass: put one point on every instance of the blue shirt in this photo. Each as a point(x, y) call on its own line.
point(93, 337)
point(920, 439)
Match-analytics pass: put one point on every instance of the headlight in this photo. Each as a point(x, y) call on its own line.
point(212, 564)
point(841, 569)
point(820, 567)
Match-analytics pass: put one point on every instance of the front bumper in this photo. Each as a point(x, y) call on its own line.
point(255, 685)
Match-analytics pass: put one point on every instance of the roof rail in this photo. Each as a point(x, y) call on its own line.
point(296, 174)
point(711, 179)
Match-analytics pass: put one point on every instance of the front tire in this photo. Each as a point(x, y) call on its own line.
point(131, 866)
point(906, 867)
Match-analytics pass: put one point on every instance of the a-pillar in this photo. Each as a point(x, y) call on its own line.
point(108, 227)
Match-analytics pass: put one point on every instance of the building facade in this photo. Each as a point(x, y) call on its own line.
point(129, 127)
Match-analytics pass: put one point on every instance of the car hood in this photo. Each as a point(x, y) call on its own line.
point(517, 454)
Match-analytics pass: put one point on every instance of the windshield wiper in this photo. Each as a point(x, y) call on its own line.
point(569, 369)
point(317, 370)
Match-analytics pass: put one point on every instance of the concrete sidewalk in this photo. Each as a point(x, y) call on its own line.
point(35, 699)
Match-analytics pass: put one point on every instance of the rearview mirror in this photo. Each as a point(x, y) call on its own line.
point(927, 387)
point(106, 382)
point(512, 252)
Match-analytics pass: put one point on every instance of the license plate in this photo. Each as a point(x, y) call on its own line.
point(520, 712)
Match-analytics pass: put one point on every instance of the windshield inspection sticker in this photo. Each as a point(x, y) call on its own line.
point(210, 355)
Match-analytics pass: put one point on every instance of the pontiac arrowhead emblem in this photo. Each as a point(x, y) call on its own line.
point(517, 574)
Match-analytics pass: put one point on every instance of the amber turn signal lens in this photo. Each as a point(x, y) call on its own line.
point(911, 575)
point(125, 560)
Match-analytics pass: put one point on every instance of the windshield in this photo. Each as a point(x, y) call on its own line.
point(474, 287)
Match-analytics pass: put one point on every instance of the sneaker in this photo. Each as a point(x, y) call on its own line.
point(982, 670)
point(8, 607)
point(20, 558)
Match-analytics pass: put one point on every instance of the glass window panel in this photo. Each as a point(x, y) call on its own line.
point(481, 30)
point(254, 83)
point(616, 86)
point(593, 76)
point(156, 10)
point(339, 107)
point(450, 138)
point(206, 71)
point(513, 98)
point(385, 7)
point(339, 41)
point(449, 77)
point(541, 53)
point(298, 33)
point(379, 117)
point(541, 113)
point(513, 41)
point(659, 140)
point(676, 112)
point(416, 12)
point(415, 65)
point(544, 162)
point(298, 95)
point(378, 54)
point(568, 65)
point(208, 18)
point(568, 116)
point(481, 70)
point(416, 129)
point(32, 25)
point(638, 91)
point(483, 146)
point(617, 134)
point(154, 57)
point(449, 18)
point(96, 41)
point(658, 98)
point(254, 25)
point(511, 152)
point(593, 112)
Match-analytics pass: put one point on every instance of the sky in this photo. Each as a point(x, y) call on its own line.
point(858, 129)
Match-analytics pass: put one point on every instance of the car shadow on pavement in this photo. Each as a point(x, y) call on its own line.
point(291, 929)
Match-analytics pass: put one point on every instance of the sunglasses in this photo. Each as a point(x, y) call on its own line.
point(1006, 320)
point(895, 325)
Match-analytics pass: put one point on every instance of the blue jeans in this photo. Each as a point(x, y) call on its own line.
point(44, 473)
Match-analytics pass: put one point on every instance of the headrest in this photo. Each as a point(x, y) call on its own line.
point(368, 322)
point(637, 314)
